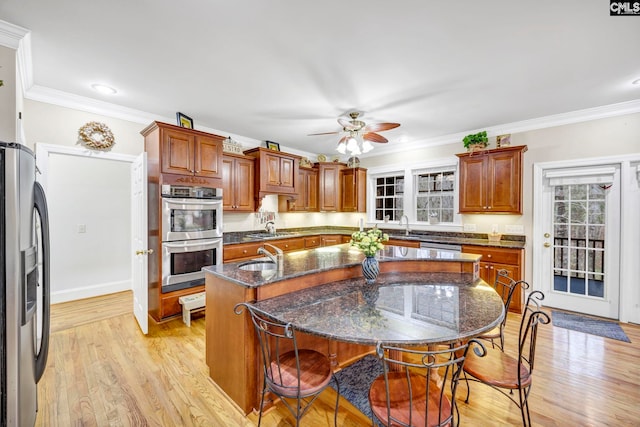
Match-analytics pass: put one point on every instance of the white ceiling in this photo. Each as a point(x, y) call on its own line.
point(279, 70)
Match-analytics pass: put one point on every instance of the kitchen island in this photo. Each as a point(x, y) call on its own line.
point(232, 354)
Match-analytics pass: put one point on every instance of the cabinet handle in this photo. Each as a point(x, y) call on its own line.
point(489, 256)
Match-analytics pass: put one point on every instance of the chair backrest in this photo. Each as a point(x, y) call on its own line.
point(276, 339)
point(505, 286)
point(531, 319)
point(420, 385)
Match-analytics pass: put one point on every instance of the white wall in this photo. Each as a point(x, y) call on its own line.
point(8, 94)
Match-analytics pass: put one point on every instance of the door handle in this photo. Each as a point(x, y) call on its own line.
point(149, 252)
point(546, 244)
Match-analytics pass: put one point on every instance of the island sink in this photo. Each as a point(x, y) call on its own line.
point(258, 265)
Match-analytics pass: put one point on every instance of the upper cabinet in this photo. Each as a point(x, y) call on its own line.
point(276, 172)
point(491, 180)
point(354, 190)
point(237, 183)
point(184, 152)
point(307, 197)
point(329, 186)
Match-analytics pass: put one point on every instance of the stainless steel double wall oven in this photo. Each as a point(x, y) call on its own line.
point(191, 234)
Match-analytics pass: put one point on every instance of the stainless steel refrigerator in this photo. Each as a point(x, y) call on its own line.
point(24, 290)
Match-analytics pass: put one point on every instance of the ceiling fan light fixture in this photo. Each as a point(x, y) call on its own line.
point(353, 146)
point(342, 147)
point(366, 146)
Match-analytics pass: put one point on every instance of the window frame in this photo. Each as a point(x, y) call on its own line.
point(410, 173)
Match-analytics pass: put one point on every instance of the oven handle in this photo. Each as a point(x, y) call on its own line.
point(183, 244)
point(201, 202)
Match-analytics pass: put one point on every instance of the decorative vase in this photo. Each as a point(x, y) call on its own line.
point(370, 268)
point(476, 147)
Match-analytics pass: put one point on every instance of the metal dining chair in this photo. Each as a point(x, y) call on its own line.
point(505, 286)
point(418, 387)
point(288, 371)
point(503, 372)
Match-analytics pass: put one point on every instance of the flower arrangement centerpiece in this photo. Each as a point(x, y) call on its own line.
point(369, 241)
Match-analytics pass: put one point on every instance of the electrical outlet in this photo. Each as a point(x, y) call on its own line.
point(469, 227)
point(494, 228)
point(514, 229)
point(82, 228)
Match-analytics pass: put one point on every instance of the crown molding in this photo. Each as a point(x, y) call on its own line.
point(589, 114)
point(10, 34)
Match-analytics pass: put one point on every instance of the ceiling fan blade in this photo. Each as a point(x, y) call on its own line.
point(323, 133)
point(379, 127)
point(374, 137)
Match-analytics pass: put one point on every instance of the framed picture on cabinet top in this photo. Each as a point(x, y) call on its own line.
point(184, 120)
point(273, 146)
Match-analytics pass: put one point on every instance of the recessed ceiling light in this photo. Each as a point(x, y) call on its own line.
point(636, 82)
point(107, 90)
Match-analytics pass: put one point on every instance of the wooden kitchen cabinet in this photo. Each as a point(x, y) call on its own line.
point(276, 172)
point(491, 180)
point(307, 197)
point(312, 242)
point(494, 259)
point(186, 152)
point(237, 183)
point(245, 251)
point(329, 186)
point(401, 242)
point(354, 190)
point(331, 239)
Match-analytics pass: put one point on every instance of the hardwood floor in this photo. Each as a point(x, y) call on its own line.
point(102, 371)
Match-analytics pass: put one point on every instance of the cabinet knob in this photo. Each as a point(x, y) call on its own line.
point(244, 252)
point(489, 256)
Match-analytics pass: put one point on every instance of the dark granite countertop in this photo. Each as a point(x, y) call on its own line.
point(326, 258)
point(402, 308)
point(479, 239)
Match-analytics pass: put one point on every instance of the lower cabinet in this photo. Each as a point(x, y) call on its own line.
point(400, 242)
point(244, 251)
point(495, 259)
point(170, 304)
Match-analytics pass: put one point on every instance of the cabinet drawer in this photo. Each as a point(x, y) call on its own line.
point(289, 244)
point(311, 242)
point(499, 255)
point(240, 251)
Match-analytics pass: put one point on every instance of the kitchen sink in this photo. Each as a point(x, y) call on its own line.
point(264, 234)
point(258, 265)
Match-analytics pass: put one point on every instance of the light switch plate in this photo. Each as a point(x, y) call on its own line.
point(514, 228)
point(469, 227)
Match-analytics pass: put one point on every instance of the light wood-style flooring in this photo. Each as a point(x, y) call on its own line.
point(102, 371)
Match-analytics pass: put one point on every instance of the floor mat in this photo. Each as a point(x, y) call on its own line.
point(589, 325)
point(356, 379)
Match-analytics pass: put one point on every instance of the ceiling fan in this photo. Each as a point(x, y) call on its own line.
point(358, 134)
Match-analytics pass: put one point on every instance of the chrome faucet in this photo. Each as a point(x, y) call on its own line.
point(270, 227)
point(277, 259)
point(406, 231)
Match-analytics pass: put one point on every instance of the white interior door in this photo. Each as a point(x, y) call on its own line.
point(139, 241)
point(580, 228)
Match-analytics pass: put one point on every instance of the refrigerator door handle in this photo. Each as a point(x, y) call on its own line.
point(40, 203)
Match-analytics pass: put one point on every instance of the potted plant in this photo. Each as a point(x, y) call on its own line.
point(475, 141)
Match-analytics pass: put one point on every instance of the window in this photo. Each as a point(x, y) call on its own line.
point(389, 198)
point(435, 196)
point(426, 193)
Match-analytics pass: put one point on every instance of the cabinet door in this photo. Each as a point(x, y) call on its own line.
point(488, 273)
point(504, 184)
point(177, 152)
point(273, 170)
point(354, 181)
point(312, 191)
point(243, 183)
point(287, 180)
point(329, 187)
point(472, 184)
point(228, 187)
point(208, 157)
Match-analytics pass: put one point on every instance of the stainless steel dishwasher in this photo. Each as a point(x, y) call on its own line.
point(441, 246)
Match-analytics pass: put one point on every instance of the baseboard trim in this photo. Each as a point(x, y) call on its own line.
point(90, 291)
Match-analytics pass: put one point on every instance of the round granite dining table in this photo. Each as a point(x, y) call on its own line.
point(399, 308)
